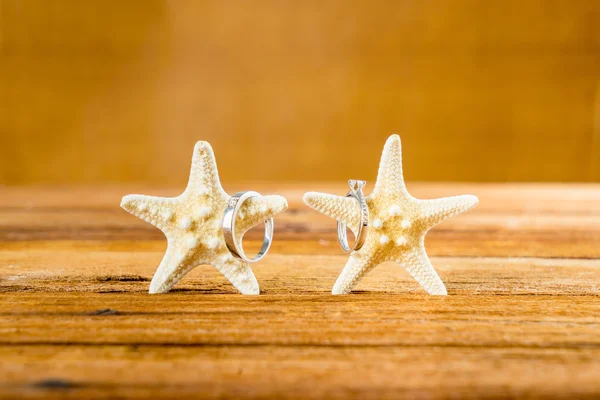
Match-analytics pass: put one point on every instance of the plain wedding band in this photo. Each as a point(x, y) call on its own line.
point(233, 245)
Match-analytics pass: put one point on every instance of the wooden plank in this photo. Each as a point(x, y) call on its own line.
point(99, 270)
point(525, 220)
point(290, 320)
point(292, 372)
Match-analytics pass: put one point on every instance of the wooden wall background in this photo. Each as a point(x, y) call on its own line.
point(98, 91)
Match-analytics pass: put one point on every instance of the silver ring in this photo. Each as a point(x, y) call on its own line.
point(363, 228)
point(233, 245)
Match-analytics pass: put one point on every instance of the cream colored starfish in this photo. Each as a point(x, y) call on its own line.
point(397, 224)
point(192, 224)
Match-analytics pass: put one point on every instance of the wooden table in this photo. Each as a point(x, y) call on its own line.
point(522, 317)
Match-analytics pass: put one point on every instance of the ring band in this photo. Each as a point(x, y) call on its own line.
point(233, 245)
point(363, 228)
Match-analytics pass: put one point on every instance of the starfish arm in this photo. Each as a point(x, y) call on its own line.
point(356, 267)
point(438, 210)
point(204, 176)
point(390, 182)
point(172, 268)
point(417, 264)
point(238, 273)
point(157, 211)
point(257, 210)
point(341, 208)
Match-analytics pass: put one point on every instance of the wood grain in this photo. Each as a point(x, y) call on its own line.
point(110, 91)
point(521, 319)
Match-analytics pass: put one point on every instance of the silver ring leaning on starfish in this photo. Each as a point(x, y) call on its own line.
point(363, 227)
point(231, 240)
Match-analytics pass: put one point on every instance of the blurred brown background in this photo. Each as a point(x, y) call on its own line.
point(104, 91)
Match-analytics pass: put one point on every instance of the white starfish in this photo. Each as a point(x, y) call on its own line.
point(397, 224)
point(192, 224)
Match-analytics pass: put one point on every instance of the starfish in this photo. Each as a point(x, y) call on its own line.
point(398, 223)
point(192, 222)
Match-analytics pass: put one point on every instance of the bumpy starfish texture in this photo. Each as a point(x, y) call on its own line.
point(398, 223)
point(192, 221)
